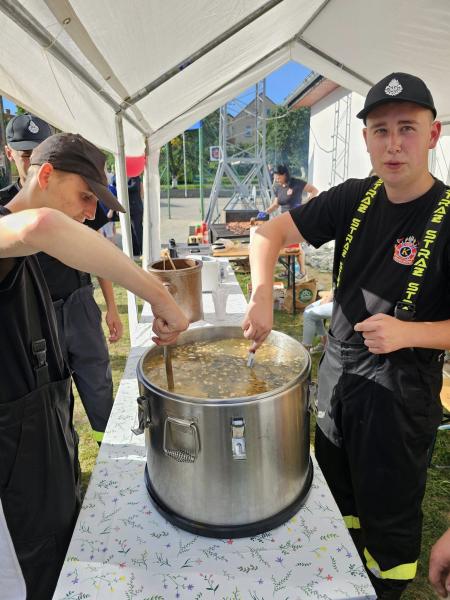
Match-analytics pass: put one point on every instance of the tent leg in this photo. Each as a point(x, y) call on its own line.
point(125, 226)
point(152, 214)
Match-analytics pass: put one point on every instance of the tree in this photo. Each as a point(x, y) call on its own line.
point(287, 138)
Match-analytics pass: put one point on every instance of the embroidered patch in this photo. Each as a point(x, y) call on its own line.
point(405, 250)
point(393, 88)
point(33, 127)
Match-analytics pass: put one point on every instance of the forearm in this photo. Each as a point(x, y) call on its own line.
point(273, 207)
point(268, 240)
point(76, 245)
point(108, 293)
point(427, 334)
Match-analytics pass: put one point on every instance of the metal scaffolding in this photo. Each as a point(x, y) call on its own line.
point(341, 140)
point(251, 183)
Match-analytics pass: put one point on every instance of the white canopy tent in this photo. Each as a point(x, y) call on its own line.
point(131, 75)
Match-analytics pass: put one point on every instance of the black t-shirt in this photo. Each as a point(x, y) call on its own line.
point(378, 263)
point(290, 195)
point(61, 279)
point(17, 377)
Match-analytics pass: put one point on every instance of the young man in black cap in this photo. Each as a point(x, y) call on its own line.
point(38, 467)
point(379, 381)
point(78, 317)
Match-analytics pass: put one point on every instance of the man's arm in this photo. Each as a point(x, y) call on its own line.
point(439, 573)
point(267, 242)
point(273, 207)
point(311, 190)
point(50, 231)
point(112, 317)
point(383, 333)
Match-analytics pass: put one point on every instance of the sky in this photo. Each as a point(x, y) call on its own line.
point(279, 84)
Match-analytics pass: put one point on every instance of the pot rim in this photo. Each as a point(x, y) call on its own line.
point(302, 375)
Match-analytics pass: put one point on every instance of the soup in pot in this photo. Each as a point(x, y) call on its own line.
point(218, 369)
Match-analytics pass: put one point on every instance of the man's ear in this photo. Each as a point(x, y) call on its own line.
point(435, 134)
point(44, 174)
point(8, 154)
point(364, 132)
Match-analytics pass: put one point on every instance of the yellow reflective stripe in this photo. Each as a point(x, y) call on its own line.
point(98, 435)
point(352, 522)
point(401, 572)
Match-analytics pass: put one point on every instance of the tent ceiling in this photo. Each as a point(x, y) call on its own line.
point(124, 46)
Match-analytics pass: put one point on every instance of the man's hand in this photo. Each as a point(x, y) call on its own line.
point(439, 573)
point(258, 322)
point(169, 321)
point(115, 325)
point(383, 333)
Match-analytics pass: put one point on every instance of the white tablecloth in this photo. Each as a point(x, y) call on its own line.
point(123, 549)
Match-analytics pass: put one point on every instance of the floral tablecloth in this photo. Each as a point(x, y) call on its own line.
point(122, 548)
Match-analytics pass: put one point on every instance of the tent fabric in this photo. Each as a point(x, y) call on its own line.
point(125, 46)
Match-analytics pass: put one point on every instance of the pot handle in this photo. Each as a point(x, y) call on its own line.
point(181, 455)
point(143, 415)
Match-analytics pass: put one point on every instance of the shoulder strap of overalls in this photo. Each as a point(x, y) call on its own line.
point(405, 309)
point(355, 224)
point(38, 342)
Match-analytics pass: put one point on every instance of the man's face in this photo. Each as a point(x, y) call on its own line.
point(398, 136)
point(280, 179)
point(21, 158)
point(70, 194)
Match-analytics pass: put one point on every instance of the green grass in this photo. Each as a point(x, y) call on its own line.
point(436, 505)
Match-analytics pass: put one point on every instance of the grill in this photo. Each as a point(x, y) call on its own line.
point(219, 230)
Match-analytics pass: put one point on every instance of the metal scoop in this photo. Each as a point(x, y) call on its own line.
point(251, 359)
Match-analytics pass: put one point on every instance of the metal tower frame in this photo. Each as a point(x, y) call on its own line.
point(341, 140)
point(252, 190)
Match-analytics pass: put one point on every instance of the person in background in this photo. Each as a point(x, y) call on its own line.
point(313, 322)
point(78, 316)
point(381, 374)
point(439, 571)
point(135, 195)
point(39, 483)
point(288, 194)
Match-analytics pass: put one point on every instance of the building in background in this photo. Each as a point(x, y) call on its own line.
point(241, 126)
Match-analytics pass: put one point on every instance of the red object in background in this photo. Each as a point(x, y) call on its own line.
point(135, 165)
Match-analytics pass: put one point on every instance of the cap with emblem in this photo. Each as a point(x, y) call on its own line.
point(73, 153)
point(25, 132)
point(398, 87)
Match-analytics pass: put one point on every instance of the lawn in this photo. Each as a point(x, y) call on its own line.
point(436, 504)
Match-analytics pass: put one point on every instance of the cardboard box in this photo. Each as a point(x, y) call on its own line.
point(305, 293)
point(278, 293)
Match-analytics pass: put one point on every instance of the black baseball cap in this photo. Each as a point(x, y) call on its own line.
point(281, 170)
point(25, 132)
point(398, 87)
point(71, 152)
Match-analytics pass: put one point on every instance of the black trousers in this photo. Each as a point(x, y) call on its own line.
point(377, 415)
point(39, 482)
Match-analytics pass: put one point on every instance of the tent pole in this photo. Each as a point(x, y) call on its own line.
point(184, 164)
point(125, 226)
point(168, 179)
point(152, 216)
point(200, 170)
point(146, 258)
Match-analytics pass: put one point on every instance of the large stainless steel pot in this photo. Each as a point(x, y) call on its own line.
point(227, 467)
point(184, 283)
